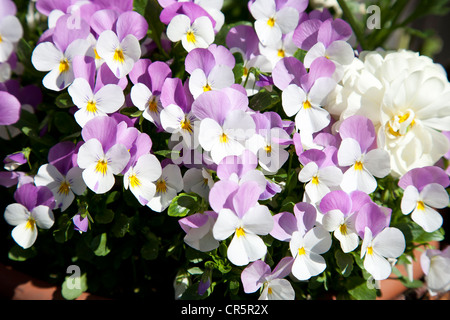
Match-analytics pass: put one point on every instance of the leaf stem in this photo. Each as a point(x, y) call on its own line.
point(351, 20)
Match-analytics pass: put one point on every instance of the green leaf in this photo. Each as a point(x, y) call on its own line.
point(300, 54)
point(150, 249)
point(139, 6)
point(121, 226)
point(104, 216)
point(129, 111)
point(415, 233)
point(65, 123)
point(17, 253)
point(234, 286)
point(63, 230)
point(99, 245)
point(183, 204)
point(264, 100)
point(73, 287)
point(64, 101)
point(238, 72)
point(344, 262)
point(360, 290)
point(167, 153)
point(113, 196)
point(152, 13)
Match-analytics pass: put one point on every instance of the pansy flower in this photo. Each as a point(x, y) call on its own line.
point(33, 210)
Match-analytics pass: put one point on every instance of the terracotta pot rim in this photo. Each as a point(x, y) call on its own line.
point(16, 285)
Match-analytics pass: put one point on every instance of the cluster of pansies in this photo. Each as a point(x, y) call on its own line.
point(284, 141)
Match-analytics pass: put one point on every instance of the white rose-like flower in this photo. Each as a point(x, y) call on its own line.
point(407, 97)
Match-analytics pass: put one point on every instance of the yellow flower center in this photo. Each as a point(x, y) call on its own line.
point(400, 124)
point(190, 36)
point(269, 290)
point(97, 57)
point(1, 39)
point(301, 251)
point(186, 125)
point(271, 22)
point(281, 53)
point(31, 224)
point(358, 166)
point(64, 188)
point(102, 166)
point(306, 104)
point(161, 186)
point(268, 149)
point(118, 56)
point(370, 250)
point(64, 65)
point(153, 106)
point(134, 181)
point(91, 107)
point(245, 72)
point(315, 180)
point(343, 229)
point(420, 205)
point(207, 87)
point(240, 232)
point(223, 138)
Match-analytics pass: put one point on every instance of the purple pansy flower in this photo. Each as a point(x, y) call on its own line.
point(425, 191)
point(33, 209)
point(101, 156)
point(258, 274)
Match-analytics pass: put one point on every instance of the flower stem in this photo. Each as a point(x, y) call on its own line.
point(351, 20)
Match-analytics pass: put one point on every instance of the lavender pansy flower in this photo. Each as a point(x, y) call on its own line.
point(246, 220)
point(340, 212)
point(210, 69)
point(61, 175)
point(80, 224)
point(286, 223)
point(168, 185)
point(33, 209)
point(273, 20)
point(94, 100)
point(319, 173)
point(198, 228)
point(223, 130)
point(304, 93)
point(15, 160)
point(193, 32)
point(120, 47)
point(258, 274)
point(435, 264)
point(358, 152)
point(57, 56)
point(176, 115)
point(148, 79)
point(424, 191)
point(101, 157)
